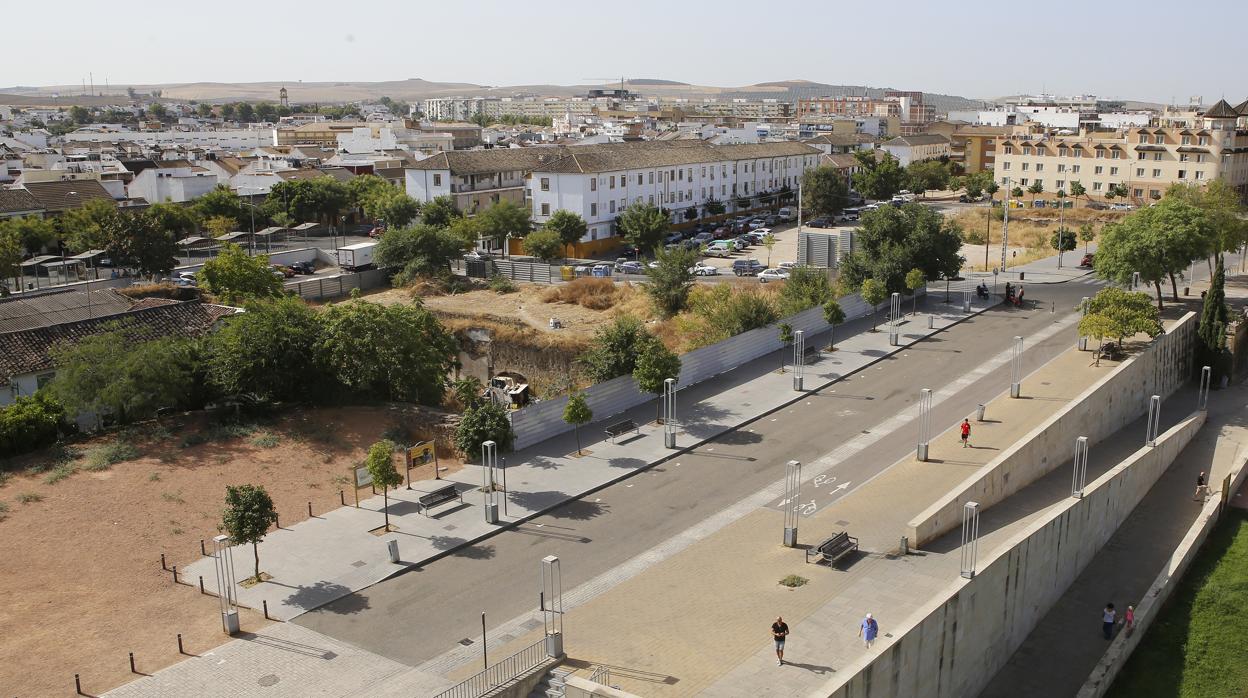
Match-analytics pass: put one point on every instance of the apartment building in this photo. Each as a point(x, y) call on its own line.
point(908, 108)
point(599, 181)
point(923, 146)
point(972, 147)
point(1192, 148)
point(172, 181)
point(476, 179)
point(737, 108)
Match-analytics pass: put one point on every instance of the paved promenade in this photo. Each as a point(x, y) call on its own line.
point(331, 555)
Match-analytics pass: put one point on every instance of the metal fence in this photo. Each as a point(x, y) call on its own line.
point(601, 675)
point(516, 270)
point(543, 420)
point(511, 668)
point(337, 285)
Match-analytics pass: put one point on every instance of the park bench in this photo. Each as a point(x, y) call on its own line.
point(441, 495)
point(620, 428)
point(834, 548)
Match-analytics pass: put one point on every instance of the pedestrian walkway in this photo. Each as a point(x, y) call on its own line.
point(1043, 271)
point(327, 557)
point(705, 612)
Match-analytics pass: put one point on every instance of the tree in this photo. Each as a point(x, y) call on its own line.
point(228, 111)
point(440, 212)
point(720, 311)
point(873, 292)
point(1087, 234)
point(177, 221)
point(204, 110)
point(32, 234)
point(824, 190)
point(1017, 192)
point(10, 258)
point(1222, 208)
point(245, 111)
point(1063, 239)
point(380, 464)
point(236, 277)
point(834, 315)
point(1121, 314)
point(915, 279)
point(267, 351)
point(394, 207)
point(877, 177)
point(544, 244)
point(221, 202)
point(485, 422)
point(769, 242)
point(158, 111)
point(643, 225)
point(266, 111)
point(978, 183)
point(785, 335)
point(1077, 190)
point(615, 348)
point(79, 115)
point(671, 279)
point(1158, 242)
point(576, 413)
point(467, 391)
point(1214, 320)
point(991, 189)
point(568, 226)
point(503, 219)
point(927, 175)
point(249, 512)
point(656, 364)
point(806, 287)
point(86, 227)
point(418, 250)
point(713, 207)
point(114, 374)
point(398, 352)
point(895, 239)
point(364, 187)
point(1036, 188)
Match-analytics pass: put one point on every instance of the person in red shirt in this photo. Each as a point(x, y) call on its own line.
point(966, 432)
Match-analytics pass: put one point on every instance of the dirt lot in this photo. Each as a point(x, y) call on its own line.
point(81, 578)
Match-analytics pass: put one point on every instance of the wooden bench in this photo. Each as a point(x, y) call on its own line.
point(439, 496)
point(621, 428)
point(833, 549)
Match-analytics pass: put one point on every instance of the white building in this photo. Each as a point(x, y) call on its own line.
point(233, 139)
point(925, 146)
point(599, 182)
point(173, 181)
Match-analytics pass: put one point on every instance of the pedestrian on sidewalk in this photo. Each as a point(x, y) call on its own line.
point(779, 631)
point(966, 432)
point(1201, 489)
point(1128, 620)
point(1107, 621)
point(868, 630)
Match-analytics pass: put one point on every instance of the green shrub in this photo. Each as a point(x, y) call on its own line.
point(4, 511)
point(793, 581)
point(502, 284)
point(28, 497)
point(59, 473)
point(487, 422)
point(103, 457)
point(265, 439)
point(30, 423)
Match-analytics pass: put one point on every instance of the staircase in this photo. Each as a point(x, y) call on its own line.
point(551, 685)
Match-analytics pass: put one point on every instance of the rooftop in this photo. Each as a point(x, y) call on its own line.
point(63, 196)
point(24, 312)
point(14, 201)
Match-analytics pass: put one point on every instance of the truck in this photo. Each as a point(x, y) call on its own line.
point(356, 257)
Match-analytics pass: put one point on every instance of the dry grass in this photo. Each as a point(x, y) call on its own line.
point(1030, 230)
point(587, 292)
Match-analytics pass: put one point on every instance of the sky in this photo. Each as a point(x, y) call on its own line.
point(1146, 49)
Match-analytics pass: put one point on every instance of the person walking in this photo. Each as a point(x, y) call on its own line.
point(1201, 489)
point(1128, 620)
point(1107, 621)
point(966, 432)
point(868, 629)
point(779, 631)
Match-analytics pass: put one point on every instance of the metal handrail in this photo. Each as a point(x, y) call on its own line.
point(482, 682)
point(601, 675)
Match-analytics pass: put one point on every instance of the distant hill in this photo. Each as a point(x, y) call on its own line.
point(654, 81)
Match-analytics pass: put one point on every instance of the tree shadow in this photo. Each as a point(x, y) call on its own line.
point(402, 507)
point(289, 646)
point(461, 548)
point(544, 463)
point(627, 463)
point(331, 596)
point(739, 437)
point(576, 509)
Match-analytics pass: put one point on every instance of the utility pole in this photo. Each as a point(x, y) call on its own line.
point(1005, 225)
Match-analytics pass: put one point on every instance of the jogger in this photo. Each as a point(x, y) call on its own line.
point(966, 432)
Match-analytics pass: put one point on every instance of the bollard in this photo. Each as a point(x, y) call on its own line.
point(77, 685)
point(277, 520)
point(266, 609)
point(175, 574)
point(342, 498)
point(132, 671)
point(931, 322)
point(1052, 307)
point(979, 412)
point(309, 510)
point(180, 650)
point(201, 583)
point(202, 551)
point(905, 545)
point(162, 562)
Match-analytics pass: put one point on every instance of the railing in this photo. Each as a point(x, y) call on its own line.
point(601, 675)
point(509, 669)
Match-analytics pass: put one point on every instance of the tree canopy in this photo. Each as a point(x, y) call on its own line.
point(824, 190)
point(544, 244)
point(234, 276)
point(615, 349)
point(569, 226)
point(644, 225)
point(418, 250)
point(877, 178)
point(501, 219)
point(668, 283)
point(248, 513)
point(1158, 242)
point(267, 351)
point(895, 239)
point(440, 212)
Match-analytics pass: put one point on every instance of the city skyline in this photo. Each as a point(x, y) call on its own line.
point(915, 47)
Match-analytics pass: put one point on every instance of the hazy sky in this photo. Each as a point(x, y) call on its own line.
point(1145, 49)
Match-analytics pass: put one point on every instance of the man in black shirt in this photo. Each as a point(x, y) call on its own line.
point(779, 631)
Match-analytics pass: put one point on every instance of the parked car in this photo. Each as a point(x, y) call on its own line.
point(786, 266)
point(306, 268)
point(720, 248)
point(286, 272)
point(477, 255)
point(1121, 207)
point(820, 222)
point(773, 220)
point(787, 213)
point(747, 267)
point(376, 231)
point(704, 269)
point(1097, 206)
point(1088, 260)
point(758, 234)
point(674, 238)
point(629, 268)
point(742, 242)
point(850, 214)
point(703, 238)
point(772, 275)
point(757, 223)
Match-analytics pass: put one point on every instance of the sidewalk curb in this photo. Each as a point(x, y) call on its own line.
point(673, 454)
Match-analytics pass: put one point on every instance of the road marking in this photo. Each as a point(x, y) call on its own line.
point(601, 584)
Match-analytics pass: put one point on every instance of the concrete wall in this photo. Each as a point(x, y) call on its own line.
point(1102, 676)
point(1099, 411)
point(576, 687)
point(954, 646)
point(544, 420)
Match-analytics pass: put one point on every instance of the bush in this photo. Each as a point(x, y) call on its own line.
point(487, 422)
point(30, 423)
point(805, 288)
point(793, 581)
point(587, 292)
point(722, 311)
point(973, 237)
point(110, 454)
point(502, 284)
point(265, 439)
point(28, 497)
point(616, 348)
point(59, 473)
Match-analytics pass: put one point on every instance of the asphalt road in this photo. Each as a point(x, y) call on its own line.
point(419, 615)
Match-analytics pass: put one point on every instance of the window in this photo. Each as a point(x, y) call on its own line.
point(652, 176)
point(1039, 167)
point(689, 176)
point(1182, 174)
point(1009, 149)
point(1074, 169)
point(1143, 138)
point(1026, 166)
point(1096, 186)
point(1026, 150)
point(1060, 184)
point(1202, 158)
point(1100, 154)
point(1156, 173)
point(1204, 140)
point(1141, 155)
point(1159, 139)
point(1157, 157)
point(545, 209)
point(1154, 193)
point(1039, 182)
point(1061, 167)
point(593, 184)
point(1200, 174)
point(1022, 182)
point(437, 180)
point(613, 182)
point(1138, 193)
point(1115, 155)
point(545, 183)
point(1062, 151)
point(704, 171)
point(593, 210)
point(611, 206)
point(1139, 172)
point(1098, 170)
point(640, 180)
point(680, 174)
point(723, 190)
point(1185, 140)
point(1183, 157)
point(1113, 171)
point(651, 199)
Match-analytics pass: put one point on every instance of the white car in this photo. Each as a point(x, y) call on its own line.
point(786, 266)
point(772, 275)
point(704, 269)
point(1121, 207)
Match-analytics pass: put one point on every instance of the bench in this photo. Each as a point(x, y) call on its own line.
point(834, 548)
point(621, 428)
point(439, 496)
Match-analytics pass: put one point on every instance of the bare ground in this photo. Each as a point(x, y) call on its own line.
point(81, 577)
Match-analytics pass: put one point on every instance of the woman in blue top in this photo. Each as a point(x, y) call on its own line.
point(868, 630)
